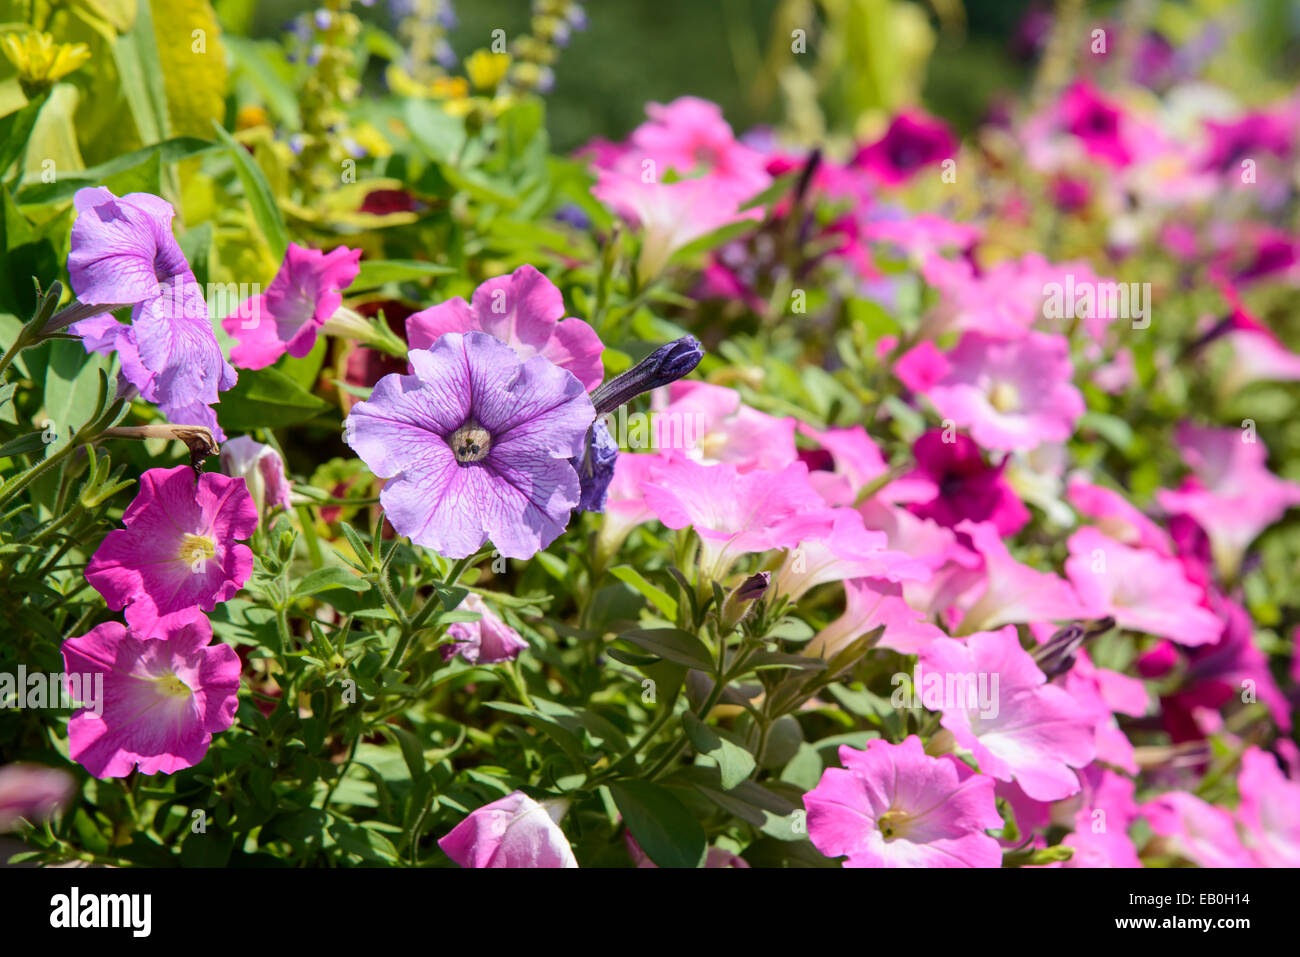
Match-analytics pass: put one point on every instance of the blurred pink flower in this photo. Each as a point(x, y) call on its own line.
point(841, 549)
point(709, 423)
point(912, 142)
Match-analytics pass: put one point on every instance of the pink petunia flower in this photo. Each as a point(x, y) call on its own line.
point(710, 424)
point(1010, 394)
point(1141, 589)
point(1014, 592)
point(305, 293)
point(671, 215)
point(690, 136)
point(1117, 517)
point(1202, 833)
point(1231, 494)
point(1269, 812)
point(870, 603)
point(1101, 824)
point(524, 310)
point(844, 549)
point(1098, 123)
point(855, 463)
point(734, 512)
point(1034, 732)
point(488, 641)
point(477, 444)
point(893, 805)
point(164, 698)
point(179, 550)
point(513, 831)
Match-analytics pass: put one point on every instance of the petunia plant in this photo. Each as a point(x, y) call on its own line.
point(384, 482)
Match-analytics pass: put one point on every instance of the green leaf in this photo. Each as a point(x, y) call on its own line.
point(167, 152)
point(258, 193)
point(668, 832)
point(377, 272)
point(141, 77)
point(654, 594)
point(23, 444)
point(323, 579)
point(266, 399)
point(735, 764)
point(674, 645)
point(15, 129)
point(71, 389)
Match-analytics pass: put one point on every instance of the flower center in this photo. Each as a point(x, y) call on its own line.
point(470, 443)
point(892, 824)
point(1004, 397)
point(197, 548)
point(172, 686)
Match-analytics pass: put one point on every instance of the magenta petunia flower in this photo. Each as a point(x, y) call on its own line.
point(912, 142)
point(179, 549)
point(1117, 517)
point(164, 697)
point(123, 254)
point(1011, 394)
point(690, 136)
point(1098, 123)
point(893, 805)
point(1141, 589)
point(733, 512)
point(1026, 730)
point(305, 293)
point(523, 310)
point(963, 486)
point(514, 831)
point(487, 641)
point(476, 445)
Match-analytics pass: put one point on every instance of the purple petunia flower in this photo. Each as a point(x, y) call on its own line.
point(123, 254)
point(476, 445)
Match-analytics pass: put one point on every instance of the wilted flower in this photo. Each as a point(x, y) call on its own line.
point(262, 470)
point(487, 641)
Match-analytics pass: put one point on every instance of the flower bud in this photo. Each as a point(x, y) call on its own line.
point(666, 364)
point(262, 470)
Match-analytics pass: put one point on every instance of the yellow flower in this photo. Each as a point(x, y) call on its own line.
point(40, 61)
point(486, 69)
